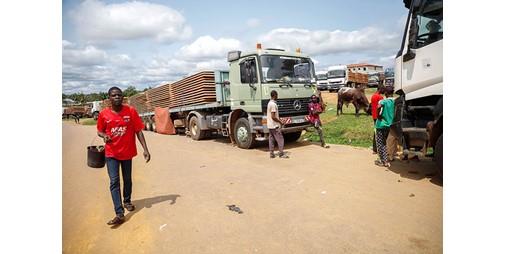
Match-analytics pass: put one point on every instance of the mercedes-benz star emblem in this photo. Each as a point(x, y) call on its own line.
point(297, 105)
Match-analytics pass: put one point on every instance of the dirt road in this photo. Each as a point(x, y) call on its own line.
point(318, 201)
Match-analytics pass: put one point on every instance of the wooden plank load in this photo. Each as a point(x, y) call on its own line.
point(158, 97)
point(358, 78)
point(196, 89)
point(139, 102)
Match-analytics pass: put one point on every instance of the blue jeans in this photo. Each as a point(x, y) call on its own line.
point(114, 186)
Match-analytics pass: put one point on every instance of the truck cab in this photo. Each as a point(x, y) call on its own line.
point(337, 77)
point(419, 79)
point(321, 80)
point(252, 77)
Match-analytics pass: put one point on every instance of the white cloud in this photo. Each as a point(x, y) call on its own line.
point(206, 47)
point(323, 42)
point(97, 21)
point(83, 57)
point(252, 23)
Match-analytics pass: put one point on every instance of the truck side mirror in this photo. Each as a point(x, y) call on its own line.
point(413, 34)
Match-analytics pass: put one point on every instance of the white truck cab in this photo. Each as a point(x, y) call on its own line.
point(321, 80)
point(419, 79)
point(337, 77)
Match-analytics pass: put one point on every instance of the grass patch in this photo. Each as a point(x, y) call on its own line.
point(345, 129)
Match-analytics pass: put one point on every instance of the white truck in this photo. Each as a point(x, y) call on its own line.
point(321, 80)
point(337, 77)
point(95, 108)
point(419, 80)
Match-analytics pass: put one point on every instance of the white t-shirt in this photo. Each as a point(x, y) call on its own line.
point(272, 107)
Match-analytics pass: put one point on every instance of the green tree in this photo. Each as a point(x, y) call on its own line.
point(130, 91)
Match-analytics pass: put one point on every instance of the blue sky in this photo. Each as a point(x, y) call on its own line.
point(147, 43)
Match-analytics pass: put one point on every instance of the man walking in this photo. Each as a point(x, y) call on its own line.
point(375, 98)
point(315, 109)
point(274, 125)
point(118, 126)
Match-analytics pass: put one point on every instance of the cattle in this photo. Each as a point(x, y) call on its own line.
point(356, 96)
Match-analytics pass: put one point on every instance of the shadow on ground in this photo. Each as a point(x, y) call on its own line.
point(417, 170)
point(148, 203)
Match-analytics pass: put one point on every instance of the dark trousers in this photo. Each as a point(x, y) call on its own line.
point(275, 135)
point(318, 126)
point(113, 166)
point(381, 139)
point(374, 147)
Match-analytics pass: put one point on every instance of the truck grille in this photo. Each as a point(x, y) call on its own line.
point(287, 107)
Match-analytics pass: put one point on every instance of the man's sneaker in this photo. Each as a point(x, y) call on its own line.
point(283, 155)
point(129, 206)
point(117, 220)
point(273, 155)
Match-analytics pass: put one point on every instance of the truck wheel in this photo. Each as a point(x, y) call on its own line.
point(95, 115)
point(292, 137)
point(438, 154)
point(148, 126)
point(153, 126)
point(243, 134)
point(195, 131)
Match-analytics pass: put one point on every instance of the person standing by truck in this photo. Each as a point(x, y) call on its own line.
point(118, 125)
point(274, 125)
point(385, 118)
point(315, 109)
point(375, 98)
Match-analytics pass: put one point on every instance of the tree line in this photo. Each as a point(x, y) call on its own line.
point(83, 98)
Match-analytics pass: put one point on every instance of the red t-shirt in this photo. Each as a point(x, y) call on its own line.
point(121, 127)
point(375, 98)
point(313, 108)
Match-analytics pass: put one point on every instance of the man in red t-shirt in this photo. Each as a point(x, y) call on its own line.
point(118, 125)
point(315, 109)
point(375, 98)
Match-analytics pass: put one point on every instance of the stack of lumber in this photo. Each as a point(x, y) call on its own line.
point(196, 89)
point(158, 97)
point(140, 103)
point(360, 78)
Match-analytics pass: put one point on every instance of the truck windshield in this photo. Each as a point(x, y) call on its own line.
point(336, 74)
point(283, 68)
point(321, 76)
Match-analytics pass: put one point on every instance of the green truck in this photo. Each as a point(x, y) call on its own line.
point(242, 94)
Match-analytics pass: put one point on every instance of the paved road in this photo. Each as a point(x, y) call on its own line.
point(318, 201)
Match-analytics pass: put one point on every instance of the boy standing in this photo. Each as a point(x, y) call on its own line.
point(386, 109)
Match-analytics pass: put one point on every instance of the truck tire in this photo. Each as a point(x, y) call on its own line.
point(438, 155)
point(292, 137)
point(195, 132)
point(153, 126)
point(243, 134)
point(148, 126)
point(95, 115)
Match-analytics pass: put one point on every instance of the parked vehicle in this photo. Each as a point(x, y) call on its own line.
point(375, 73)
point(419, 78)
point(337, 77)
point(389, 76)
point(321, 80)
point(233, 103)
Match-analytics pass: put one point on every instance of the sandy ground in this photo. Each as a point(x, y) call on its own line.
point(318, 201)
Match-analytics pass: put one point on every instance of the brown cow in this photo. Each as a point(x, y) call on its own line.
point(356, 96)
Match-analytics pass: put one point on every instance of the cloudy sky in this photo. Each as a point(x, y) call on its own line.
point(147, 43)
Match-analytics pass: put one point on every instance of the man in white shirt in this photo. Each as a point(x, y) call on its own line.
point(274, 125)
